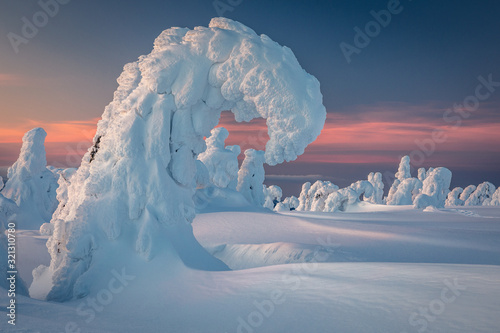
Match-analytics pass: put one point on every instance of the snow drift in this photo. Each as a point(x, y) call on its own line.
point(135, 186)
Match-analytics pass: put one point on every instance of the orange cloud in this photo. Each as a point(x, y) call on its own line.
point(69, 131)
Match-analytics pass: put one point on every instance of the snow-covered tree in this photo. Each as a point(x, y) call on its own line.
point(312, 198)
point(402, 174)
point(453, 197)
point(288, 204)
point(272, 195)
point(467, 192)
point(339, 200)
point(221, 162)
point(482, 195)
point(406, 192)
point(422, 174)
point(134, 188)
point(435, 189)
point(375, 178)
point(31, 185)
point(495, 198)
point(251, 177)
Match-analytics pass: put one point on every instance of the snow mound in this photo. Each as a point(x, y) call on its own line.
point(135, 186)
point(31, 185)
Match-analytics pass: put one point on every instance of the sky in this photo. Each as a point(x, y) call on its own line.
point(424, 82)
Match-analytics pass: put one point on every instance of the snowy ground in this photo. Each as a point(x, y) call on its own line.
point(372, 269)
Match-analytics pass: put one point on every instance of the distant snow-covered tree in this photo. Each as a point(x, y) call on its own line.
point(482, 195)
point(435, 189)
point(31, 185)
point(288, 204)
point(221, 162)
point(453, 197)
point(375, 178)
point(312, 197)
point(272, 195)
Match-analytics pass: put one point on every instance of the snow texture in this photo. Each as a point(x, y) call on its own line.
point(221, 162)
point(135, 186)
point(31, 185)
point(435, 189)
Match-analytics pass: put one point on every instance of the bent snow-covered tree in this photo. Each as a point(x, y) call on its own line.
point(134, 187)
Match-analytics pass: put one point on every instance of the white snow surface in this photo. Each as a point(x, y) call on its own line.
point(378, 269)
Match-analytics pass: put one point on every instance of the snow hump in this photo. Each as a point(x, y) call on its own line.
point(135, 186)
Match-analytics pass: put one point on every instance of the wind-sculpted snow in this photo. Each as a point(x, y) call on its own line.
point(31, 185)
point(135, 185)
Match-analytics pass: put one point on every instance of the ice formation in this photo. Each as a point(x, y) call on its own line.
point(435, 189)
point(272, 195)
point(288, 204)
point(482, 195)
point(453, 197)
point(312, 198)
point(135, 186)
point(221, 161)
point(31, 185)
